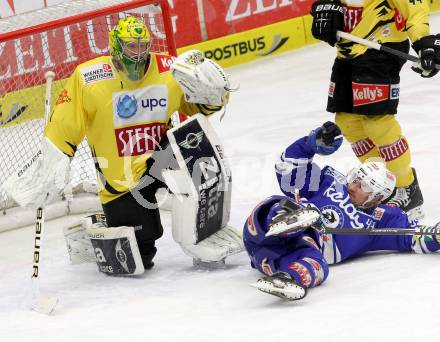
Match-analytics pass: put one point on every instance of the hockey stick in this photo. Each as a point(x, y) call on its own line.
point(42, 303)
point(379, 47)
point(420, 230)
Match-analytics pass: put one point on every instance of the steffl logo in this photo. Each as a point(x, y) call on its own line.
point(352, 16)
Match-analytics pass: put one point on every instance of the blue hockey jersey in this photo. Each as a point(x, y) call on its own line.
point(305, 255)
point(327, 190)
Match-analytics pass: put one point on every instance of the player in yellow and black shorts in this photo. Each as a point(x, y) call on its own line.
point(364, 86)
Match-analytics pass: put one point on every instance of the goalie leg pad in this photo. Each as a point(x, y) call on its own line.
point(116, 250)
point(78, 243)
point(224, 242)
point(216, 248)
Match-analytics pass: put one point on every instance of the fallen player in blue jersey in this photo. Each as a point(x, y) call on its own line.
point(294, 260)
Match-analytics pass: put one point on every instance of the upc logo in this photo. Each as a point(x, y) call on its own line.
point(153, 103)
point(127, 106)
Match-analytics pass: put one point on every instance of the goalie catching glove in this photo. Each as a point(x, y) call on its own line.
point(202, 80)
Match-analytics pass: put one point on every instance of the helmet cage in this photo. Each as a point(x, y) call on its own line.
point(135, 49)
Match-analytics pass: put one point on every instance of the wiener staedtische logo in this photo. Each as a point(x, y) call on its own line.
point(257, 45)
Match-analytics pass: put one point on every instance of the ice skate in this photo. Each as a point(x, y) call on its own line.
point(281, 285)
point(409, 199)
point(293, 220)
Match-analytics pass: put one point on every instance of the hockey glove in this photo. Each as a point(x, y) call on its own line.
point(328, 18)
point(428, 49)
point(326, 139)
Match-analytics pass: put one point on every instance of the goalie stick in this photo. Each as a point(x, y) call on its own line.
point(42, 304)
point(379, 47)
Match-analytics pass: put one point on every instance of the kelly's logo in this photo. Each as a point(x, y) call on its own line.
point(164, 62)
point(364, 94)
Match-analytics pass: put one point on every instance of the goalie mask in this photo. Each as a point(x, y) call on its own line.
point(374, 179)
point(130, 46)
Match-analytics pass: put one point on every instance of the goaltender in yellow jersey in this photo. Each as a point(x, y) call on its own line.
point(122, 104)
point(122, 120)
point(388, 21)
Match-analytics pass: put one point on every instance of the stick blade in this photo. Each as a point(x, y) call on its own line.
point(45, 305)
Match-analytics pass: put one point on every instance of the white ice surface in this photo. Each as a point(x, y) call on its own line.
point(380, 297)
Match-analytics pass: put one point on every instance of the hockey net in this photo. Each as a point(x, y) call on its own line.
point(57, 38)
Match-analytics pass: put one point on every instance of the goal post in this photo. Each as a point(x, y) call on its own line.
point(58, 38)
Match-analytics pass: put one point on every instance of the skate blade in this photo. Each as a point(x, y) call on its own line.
point(290, 292)
point(282, 227)
point(45, 305)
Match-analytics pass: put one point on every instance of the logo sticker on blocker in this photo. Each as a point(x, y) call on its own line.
point(192, 140)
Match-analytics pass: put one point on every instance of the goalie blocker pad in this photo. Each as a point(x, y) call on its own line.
point(202, 186)
point(116, 250)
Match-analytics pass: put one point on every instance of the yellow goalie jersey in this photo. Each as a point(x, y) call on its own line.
point(385, 21)
point(122, 120)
